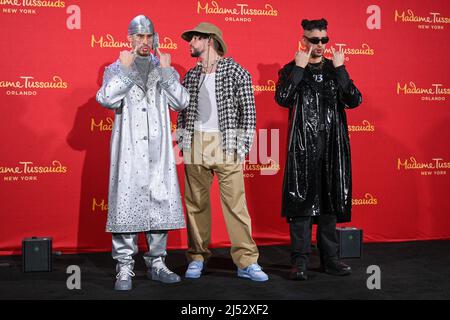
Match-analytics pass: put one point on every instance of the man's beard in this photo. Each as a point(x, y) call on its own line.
point(196, 53)
point(143, 53)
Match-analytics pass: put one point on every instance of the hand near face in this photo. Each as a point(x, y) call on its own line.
point(338, 58)
point(164, 59)
point(127, 57)
point(302, 58)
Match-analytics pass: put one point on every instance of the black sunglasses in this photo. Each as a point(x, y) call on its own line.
point(316, 40)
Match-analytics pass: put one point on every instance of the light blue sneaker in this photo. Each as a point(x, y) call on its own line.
point(253, 272)
point(194, 269)
point(124, 279)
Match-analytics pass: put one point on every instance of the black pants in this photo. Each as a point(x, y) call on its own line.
point(327, 242)
point(300, 227)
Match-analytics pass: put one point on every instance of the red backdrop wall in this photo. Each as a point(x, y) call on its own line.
point(54, 137)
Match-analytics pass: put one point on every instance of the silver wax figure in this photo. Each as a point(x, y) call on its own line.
point(144, 194)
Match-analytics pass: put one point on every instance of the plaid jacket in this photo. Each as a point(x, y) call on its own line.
point(235, 107)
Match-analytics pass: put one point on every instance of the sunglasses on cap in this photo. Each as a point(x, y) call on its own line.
point(316, 40)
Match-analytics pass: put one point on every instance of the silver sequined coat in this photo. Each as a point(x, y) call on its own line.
point(144, 192)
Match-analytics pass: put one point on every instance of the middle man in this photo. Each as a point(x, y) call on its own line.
point(215, 133)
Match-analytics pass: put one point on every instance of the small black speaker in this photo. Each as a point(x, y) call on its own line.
point(350, 242)
point(37, 254)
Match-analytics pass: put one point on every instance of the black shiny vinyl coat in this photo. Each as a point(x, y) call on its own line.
point(297, 90)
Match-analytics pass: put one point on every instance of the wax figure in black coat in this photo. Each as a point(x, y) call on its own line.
point(317, 179)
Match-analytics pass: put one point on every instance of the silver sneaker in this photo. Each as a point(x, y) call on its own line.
point(124, 281)
point(160, 272)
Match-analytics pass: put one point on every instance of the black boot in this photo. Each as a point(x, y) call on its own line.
point(298, 271)
point(298, 274)
point(335, 267)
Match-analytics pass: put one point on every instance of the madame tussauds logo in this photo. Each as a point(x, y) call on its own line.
point(433, 20)
point(366, 126)
point(270, 168)
point(102, 125)
point(108, 41)
point(434, 93)
point(368, 200)
point(437, 166)
point(100, 205)
point(34, 3)
point(28, 171)
point(106, 125)
point(28, 86)
point(270, 86)
point(363, 50)
point(241, 12)
point(28, 6)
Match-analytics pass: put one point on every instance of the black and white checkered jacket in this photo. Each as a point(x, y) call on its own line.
point(235, 107)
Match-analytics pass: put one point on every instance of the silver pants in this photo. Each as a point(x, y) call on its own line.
point(125, 246)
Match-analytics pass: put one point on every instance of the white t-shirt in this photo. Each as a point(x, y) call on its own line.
point(208, 120)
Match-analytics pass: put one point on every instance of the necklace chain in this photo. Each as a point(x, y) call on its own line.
point(205, 68)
